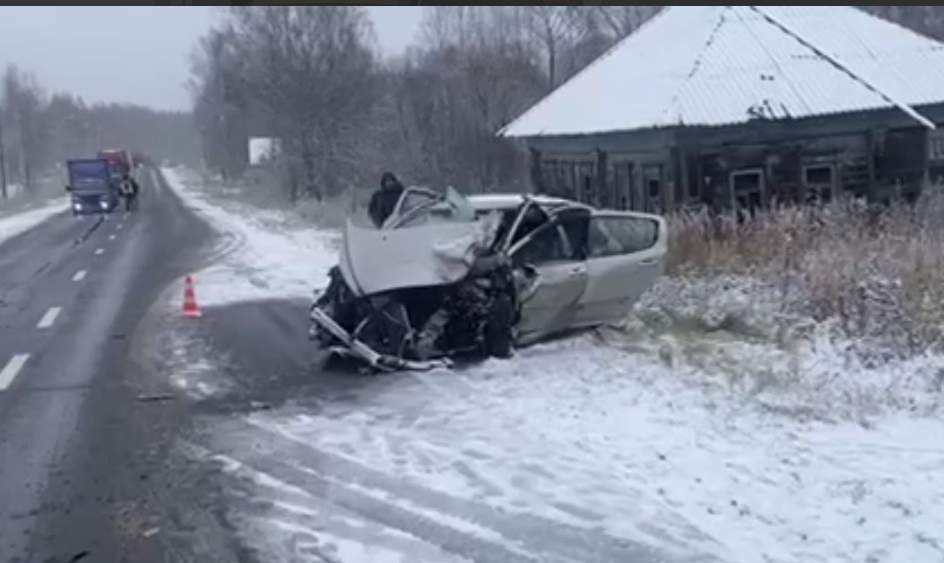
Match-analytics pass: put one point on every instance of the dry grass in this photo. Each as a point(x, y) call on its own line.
point(331, 213)
point(874, 274)
point(262, 188)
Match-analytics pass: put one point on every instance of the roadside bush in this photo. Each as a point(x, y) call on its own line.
point(331, 213)
point(264, 189)
point(871, 274)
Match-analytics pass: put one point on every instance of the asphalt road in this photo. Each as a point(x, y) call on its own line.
point(104, 457)
point(81, 451)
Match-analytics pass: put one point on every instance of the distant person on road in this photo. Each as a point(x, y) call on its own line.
point(129, 190)
point(384, 200)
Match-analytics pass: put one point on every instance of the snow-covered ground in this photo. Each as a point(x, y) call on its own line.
point(255, 244)
point(19, 222)
point(771, 445)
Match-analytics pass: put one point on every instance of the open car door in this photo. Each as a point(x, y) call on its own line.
point(555, 251)
point(625, 256)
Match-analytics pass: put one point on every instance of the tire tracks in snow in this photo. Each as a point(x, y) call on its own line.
point(420, 511)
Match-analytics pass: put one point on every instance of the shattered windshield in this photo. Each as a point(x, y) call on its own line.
point(451, 208)
point(457, 206)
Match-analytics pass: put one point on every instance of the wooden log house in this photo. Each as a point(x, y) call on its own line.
point(740, 106)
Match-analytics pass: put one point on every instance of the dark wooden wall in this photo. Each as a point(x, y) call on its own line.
point(874, 154)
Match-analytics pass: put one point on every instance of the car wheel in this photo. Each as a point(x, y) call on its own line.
point(498, 331)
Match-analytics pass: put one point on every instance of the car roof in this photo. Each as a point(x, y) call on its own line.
point(511, 201)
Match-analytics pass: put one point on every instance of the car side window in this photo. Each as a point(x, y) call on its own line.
point(612, 236)
point(548, 245)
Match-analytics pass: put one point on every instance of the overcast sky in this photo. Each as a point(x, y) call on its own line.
point(136, 54)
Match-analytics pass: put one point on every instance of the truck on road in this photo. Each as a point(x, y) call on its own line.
point(91, 186)
point(120, 159)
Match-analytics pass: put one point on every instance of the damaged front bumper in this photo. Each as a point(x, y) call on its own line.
point(354, 348)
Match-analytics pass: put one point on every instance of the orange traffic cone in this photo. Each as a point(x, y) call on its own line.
point(191, 309)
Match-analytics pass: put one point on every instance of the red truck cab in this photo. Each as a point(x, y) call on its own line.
point(119, 159)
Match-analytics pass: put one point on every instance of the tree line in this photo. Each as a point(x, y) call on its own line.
point(313, 77)
point(40, 130)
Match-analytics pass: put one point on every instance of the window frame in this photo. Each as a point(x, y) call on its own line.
point(624, 251)
point(818, 189)
point(935, 146)
point(555, 222)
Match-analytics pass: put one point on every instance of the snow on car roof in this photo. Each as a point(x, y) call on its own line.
point(509, 201)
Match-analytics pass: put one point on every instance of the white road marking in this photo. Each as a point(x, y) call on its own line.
point(119, 226)
point(111, 237)
point(12, 369)
point(79, 276)
point(49, 317)
point(99, 250)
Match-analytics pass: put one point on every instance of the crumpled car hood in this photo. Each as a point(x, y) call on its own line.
point(373, 261)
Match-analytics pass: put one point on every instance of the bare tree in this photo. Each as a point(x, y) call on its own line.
point(620, 21)
point(555, 29)
point(221, 100)
point(312, 73)
point(25, 135)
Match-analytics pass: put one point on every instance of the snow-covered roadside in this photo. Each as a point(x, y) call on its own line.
point(19, 222)
point(686, 440)
point(596, 437)
point(257, 257)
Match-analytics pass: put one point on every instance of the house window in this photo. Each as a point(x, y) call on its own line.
point(653, 184)
point(819, 181)
point(694, 178)
point(747, 190)
point(935, 147)
point(620, 185)
point(587, 175)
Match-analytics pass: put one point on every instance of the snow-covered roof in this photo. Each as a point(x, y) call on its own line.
point(716, 65)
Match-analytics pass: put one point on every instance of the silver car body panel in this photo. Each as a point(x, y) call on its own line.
point(374, 261)
point(405, 252)
point(616, 282)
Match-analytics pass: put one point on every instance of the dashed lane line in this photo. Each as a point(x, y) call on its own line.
point(11, 370)
point(111, 237)
point(99, 250)
point(79, 276)
point(49, 318)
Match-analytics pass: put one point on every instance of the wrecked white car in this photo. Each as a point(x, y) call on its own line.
point(449, 275)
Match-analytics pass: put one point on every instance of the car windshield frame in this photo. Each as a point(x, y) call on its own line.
point(458, 209)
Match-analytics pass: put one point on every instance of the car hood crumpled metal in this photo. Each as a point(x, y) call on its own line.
point(374, 261)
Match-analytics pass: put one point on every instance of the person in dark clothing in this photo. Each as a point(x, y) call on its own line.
point(129, 190)
point(384, 200)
